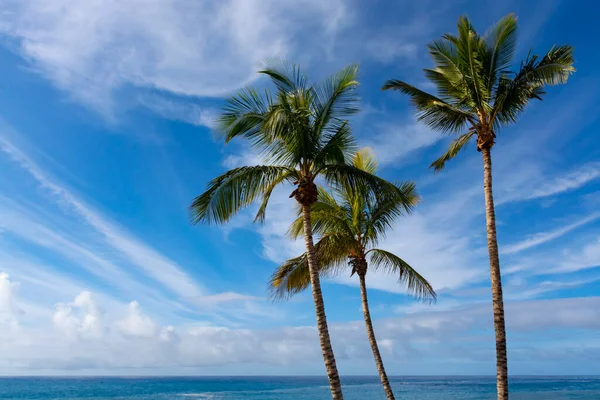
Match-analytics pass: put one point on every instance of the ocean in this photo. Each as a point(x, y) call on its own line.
point(294, 388)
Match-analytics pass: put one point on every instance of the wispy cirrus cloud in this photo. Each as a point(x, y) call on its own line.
point(93, 48)
point(142, 256)
point(179, 110)
point(392, 142)
point(570, 181)
point(544, 237)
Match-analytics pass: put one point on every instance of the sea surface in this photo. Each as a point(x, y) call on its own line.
point(295, 388)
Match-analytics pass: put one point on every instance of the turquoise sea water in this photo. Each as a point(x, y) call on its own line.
point(295, 388)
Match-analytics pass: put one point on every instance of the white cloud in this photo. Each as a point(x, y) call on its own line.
point(8, 309)
point(388, 49)
point(571, 181)
point(80, 317)
point(247, 156)
point(136, 323)
point(144, 257)
point(224, 297)
point(393, 142)
point(584, 258)
point(443, 258)
point(202, 48)
point(180, 110)
point(544, 237)
point(88, 339)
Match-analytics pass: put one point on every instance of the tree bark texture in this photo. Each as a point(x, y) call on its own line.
point(328, 356)
point(497, 301)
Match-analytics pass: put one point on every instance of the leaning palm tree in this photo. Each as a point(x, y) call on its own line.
point(301, 131)
point(351, 222)
point(478, 92)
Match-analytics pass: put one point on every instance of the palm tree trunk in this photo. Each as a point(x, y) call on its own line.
point(372, 341)
point(497, 301)
point(328, 356)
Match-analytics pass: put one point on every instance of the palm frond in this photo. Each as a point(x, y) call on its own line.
point(235, 189)
point(553, 68)
point(289, 278)
point(444, 55)
point(286, 75)
point(244, 115)
point(431, 110)
point(365, 160)
point(448, 88)
point(501, 41)
point(455, 147)
point(514, 94)
point(350, 179)
point(335, 97)
point(266, 196)
point(471, 54)
point(383, 212)
point(293, 276)
point(416, 284)
point(327, 216)
point(338, 146)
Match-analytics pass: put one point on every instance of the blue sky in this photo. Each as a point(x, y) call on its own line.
point(106, 110)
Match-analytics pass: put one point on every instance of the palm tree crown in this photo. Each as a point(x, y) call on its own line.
point(477, 92)
point(300, 130)
point(351, 223)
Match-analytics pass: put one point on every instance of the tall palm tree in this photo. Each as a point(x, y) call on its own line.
point(302, 132)
point(478, 92)
point(351, 221)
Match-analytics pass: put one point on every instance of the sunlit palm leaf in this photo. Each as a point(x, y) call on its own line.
point(243, 115)
point(455, 147)
point(431, 110)
point(234, 190)
point(501, 42)
point(390, 263)
point(336, 97)
point(293, 276)
point(287, 76)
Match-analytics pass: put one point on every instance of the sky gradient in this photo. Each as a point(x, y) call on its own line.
point(106, 110)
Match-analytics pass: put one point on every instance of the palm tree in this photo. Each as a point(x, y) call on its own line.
point(479, 93)
point(301, 131)
point(350, 229)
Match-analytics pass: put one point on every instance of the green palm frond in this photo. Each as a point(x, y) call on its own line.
point(553, 68)
point(266, 195)
point(476, 89)
point(244, 115)
point(449, 89)
point(471, 49)
point(349, 223)
point(385, 211)
point(287, 76)
point(235, 189)
point(326, 216)
point(501, 41)
point(365, 160)
point(290, 278)
point(417, 285)
point(338, 146)
point(431, 110)
point(455, 147)
point(335, 97)
point(293, 276)
point(514, 94)
point(445, 57)
point(349, 179)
